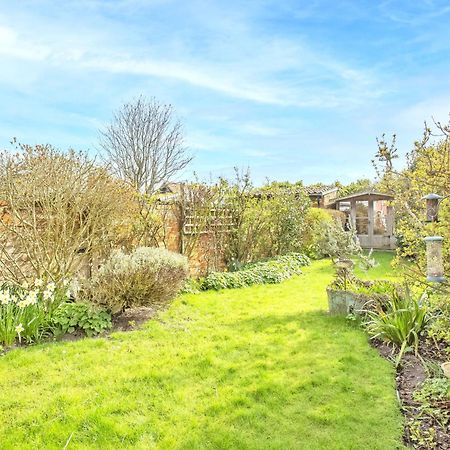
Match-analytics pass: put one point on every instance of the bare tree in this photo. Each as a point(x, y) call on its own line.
point(144, 144)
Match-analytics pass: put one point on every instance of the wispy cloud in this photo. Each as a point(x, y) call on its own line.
point(281, 72)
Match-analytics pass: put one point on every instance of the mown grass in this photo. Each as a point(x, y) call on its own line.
point(257, 368)
point(383, 269)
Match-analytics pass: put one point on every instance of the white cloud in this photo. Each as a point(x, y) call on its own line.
point(249, 67)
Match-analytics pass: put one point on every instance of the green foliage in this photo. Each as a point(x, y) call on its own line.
point(427, 171)
point(338, 243)
point(70, 317)
point(144, 277)
point(236, 223)
point(439, 328)
point(360, 185)
point(26, 312)
point(358, 286)
point(191, 286)
point(267, 222)
point(267, 272)
point(400, 322)
point(432, 397)
point(433, 390)
point(317, 222)
point(375, 287)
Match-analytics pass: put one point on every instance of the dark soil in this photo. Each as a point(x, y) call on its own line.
point(410, 376)
point(133, 318)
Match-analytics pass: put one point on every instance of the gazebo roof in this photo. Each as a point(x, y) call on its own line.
point(366, 195)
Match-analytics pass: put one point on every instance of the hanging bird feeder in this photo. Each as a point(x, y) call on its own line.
point(432, 202)
point(435, 262)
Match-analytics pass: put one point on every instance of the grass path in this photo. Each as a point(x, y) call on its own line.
point(255, 368)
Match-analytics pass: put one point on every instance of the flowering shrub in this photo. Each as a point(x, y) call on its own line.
point(26, 312)
point(268, 272)
point(144, 277)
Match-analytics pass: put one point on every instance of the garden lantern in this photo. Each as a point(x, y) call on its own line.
point(432, 206)
point(435, 263)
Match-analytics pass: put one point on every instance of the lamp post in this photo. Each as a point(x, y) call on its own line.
point(435, 262)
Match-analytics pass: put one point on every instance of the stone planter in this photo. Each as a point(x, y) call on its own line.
point(342, 303)
point(446, 369)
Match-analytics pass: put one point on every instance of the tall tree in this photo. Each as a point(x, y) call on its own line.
point(144, 144)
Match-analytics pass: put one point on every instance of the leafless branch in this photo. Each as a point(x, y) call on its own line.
point(144, 144)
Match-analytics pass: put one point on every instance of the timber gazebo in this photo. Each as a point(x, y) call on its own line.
point(372, 215)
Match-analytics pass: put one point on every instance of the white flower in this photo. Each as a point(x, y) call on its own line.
point(51, 286)
point(22, 303)
point(48, 295)
point(4, 297)
point(19, 329)
point(25, 285)
point(31, 298)
point(38, 282)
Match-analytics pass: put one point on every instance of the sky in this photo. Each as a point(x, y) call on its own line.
point(295, 90)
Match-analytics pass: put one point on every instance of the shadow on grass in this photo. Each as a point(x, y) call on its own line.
point(317, 319)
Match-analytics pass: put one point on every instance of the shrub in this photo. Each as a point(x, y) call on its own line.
point(264, 222)
point(399, 322)
point(316, 222)
point(61, 210)
point(144, 277)
point(26, 312)
point(70, 317)
point(338, 243)
point(267, 272)
point(439, 328)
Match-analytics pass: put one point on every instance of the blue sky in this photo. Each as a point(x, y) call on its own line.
point(293, 89)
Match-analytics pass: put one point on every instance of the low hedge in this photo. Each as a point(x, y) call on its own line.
point(272, 271)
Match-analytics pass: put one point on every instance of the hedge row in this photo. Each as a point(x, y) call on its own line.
point(268, 272)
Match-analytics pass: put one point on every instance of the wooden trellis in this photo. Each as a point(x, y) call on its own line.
point(219, 220)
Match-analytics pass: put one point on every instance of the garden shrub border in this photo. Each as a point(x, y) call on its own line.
point(272, 271)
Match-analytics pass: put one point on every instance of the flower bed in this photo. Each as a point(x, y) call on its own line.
point(26, 311)
point(30, 314)
point(411, 328)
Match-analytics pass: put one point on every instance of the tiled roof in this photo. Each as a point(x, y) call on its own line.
point(315, 189)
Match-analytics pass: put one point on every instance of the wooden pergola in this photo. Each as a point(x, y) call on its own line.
point(372, 215)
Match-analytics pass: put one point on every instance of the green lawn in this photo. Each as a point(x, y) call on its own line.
point(255, 368)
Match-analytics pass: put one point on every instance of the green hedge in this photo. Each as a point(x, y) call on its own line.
point(267, 272)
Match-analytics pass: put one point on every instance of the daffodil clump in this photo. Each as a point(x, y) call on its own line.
point(26, 311)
